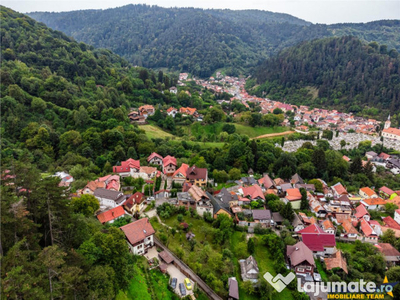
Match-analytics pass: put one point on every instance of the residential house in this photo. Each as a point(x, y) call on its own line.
point(91, 186)
point(371, 155)
point(368, 232)
point(297, 224)
point(320, 242)
point(228, 197)
point(362, 213)
point(373, 203)
point(162, 194)
point(391, 223)
point(188, 111)
point(393, 165)
point(366, 192)
point(112, 182)
point(249, 269)
point(293, 196)
point(349, 231)
point(220, 205)
point(111, 215)
point(383, 156)
point(146, 110)
point(139, 235)
point(172, 111)
point(203, 203)
point(306, 186)
point(186, 200)
point(155, 159)
point(66, 179)
point(336, 261)
point(301, 259)
point(390, 253)
point(328, 227)
point(146, 173)
point(296, 179)
point(339, 190)
point(262, 216)
point(317, 207)
point(397, 216)
point(173, 90)
point(135, 203)
point(247, 181)
point(306, 220)
point(197, 176)
point(387, 193)
point(233, 293)
point(135, 117)
point(376, 227)
point(266, 182)
point(253, 193)
point(277, 218)
point(179, 175)
point(169, 165)
point(127, 168)
point(108, 198)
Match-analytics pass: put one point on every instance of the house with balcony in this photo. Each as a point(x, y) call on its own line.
point(197, 176)
point(300, 259)
point(139, 236)
point(127, 168)
point(155, 159)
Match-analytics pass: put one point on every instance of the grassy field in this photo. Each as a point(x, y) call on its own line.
point(196, 129)
point(348, 247)
point(201, 229)
point(153, 131)
point(321, 271)
point(147, 285)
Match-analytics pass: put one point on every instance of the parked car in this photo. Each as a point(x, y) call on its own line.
point(150, 198)
point(174, 281)
point(182, 289)
point(188, 284)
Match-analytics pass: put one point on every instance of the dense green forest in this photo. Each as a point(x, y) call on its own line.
point(201, 41)
point(342, 72)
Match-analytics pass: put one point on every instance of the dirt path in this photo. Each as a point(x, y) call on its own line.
point(272, 135)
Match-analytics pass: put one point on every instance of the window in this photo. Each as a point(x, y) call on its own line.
point(300, 269)
point(308, 268)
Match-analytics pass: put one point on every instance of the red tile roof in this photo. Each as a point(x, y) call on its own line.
point(138, 230)
point(314, 228)
point(387, 249)
point(182, 169)
point(126, 166)
point(111, 214)
point(317, 241)
point(293, 194)
point(196, 173)
point(391, 223)
point(374, 201)
point(152, 155)
point(253, 191)
point(386, 190)
point(169, 160)
point(366, 228)
point(361, 211)
point(339, 188)
point(336, 261)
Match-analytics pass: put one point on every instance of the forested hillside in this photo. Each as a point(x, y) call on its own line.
point(340, 72)
point(201, 41)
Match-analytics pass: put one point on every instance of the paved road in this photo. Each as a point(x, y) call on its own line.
point(192, 275)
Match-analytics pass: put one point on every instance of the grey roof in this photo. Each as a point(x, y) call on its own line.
point(225, 196)
point(276, 216)
point(108, 194)
point(297, 179)
point(184, 196)
point(249, 268)
point(248, 180)
point(308, 187)
point(218, 204)
point(261, 214)
point(286, 186)
point(296, 221)
point(394, 162)
point(233, 288)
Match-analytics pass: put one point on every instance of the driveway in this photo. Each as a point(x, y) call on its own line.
point(175, 273)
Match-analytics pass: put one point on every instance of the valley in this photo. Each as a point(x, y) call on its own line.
point(221, 145)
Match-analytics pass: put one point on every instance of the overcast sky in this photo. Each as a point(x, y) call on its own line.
point(316, 11)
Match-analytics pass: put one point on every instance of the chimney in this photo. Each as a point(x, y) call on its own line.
point(296, 249)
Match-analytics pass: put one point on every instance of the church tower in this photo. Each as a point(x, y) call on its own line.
point(387, 123)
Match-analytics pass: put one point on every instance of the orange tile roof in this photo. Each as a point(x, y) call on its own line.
point(391, 130)
point(336, 261)
point(111, 214)
point(293, 194)
point(374, 201)
point(367, 191)
point(137, 231)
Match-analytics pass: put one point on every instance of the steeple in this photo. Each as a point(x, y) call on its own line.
point(387, 123)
